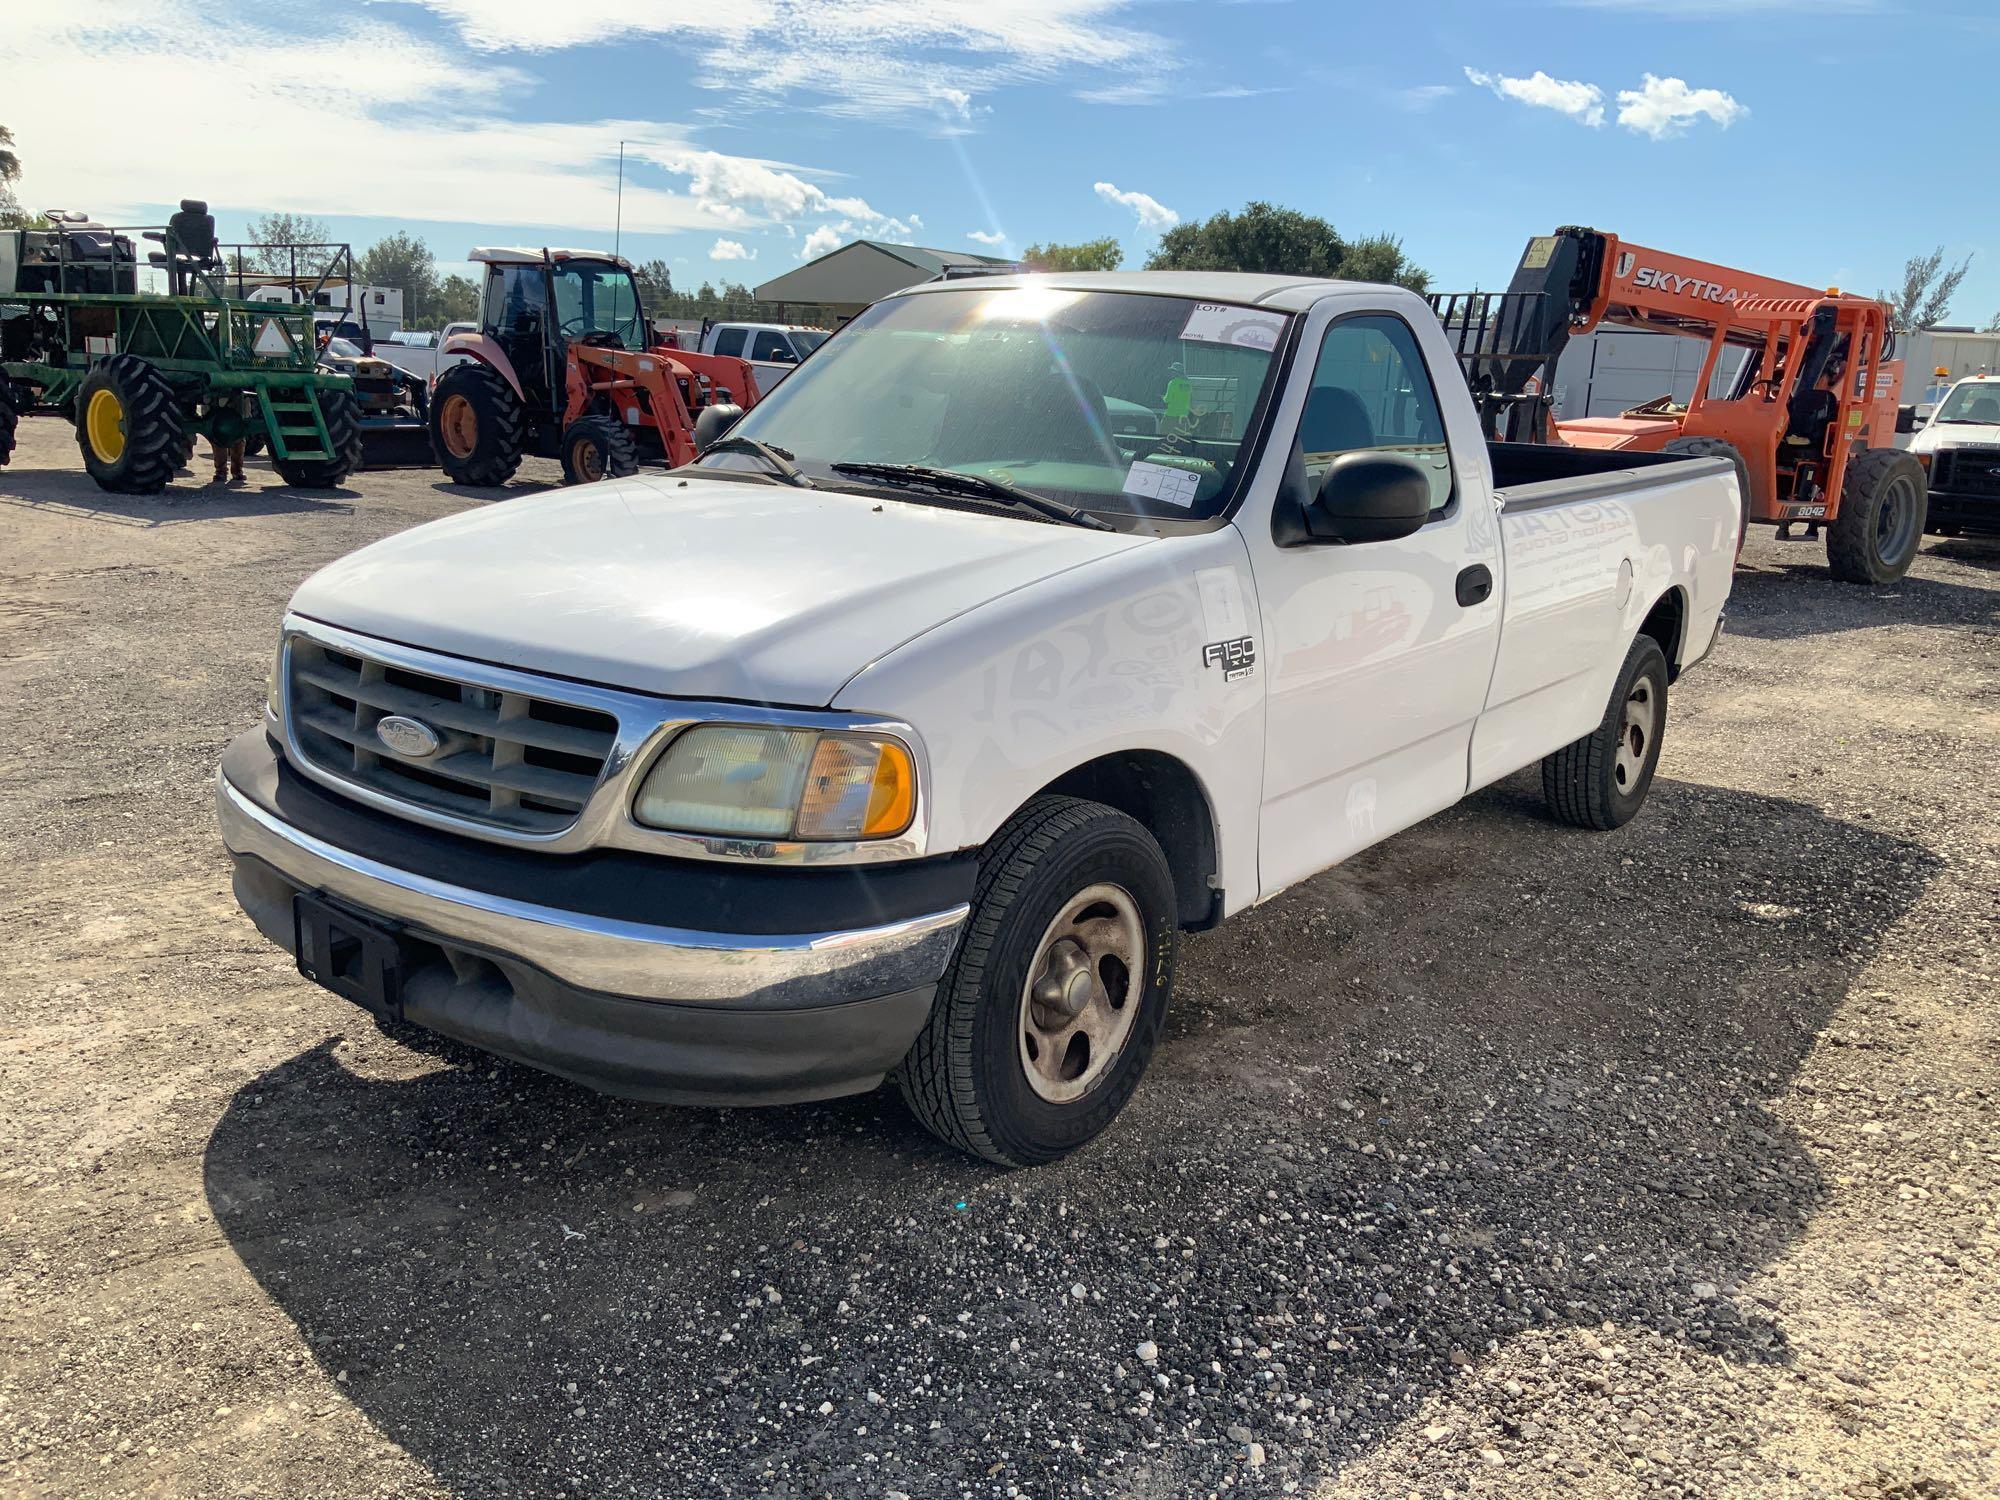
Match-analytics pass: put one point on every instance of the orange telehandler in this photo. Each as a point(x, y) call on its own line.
point(1806, 410)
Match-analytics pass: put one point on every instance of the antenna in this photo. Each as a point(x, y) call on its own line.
point(618, 230)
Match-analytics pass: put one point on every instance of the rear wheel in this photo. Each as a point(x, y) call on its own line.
point(1705, 447)
point(477, 426)
point(1055, 999)
point(342, 415)
point(597, 448)
point(10, 418)
point(1601, 780)
point(129, 427)
point(1883, 501)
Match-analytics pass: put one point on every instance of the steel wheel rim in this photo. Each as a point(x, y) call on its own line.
point(460, 425)
point(1081, 998)
point(589, 462)
point(1637, 728)
point(1896, 520)
point(104, 426)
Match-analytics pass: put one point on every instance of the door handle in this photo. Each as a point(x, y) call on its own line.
point(1475, 585)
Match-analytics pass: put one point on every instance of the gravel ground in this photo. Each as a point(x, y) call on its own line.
point(1505, 1157)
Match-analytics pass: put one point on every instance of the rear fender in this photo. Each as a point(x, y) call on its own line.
point(488, 352)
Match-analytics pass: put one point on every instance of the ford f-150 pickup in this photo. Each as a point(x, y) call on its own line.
point(903, 732)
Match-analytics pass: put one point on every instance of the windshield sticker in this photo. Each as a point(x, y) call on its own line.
point(1245, 327)
point(1164, 483)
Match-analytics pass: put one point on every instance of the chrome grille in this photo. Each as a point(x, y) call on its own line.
point(1973, 471)
point(527, 764)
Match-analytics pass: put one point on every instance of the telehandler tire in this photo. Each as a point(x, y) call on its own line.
point(342, 415)
point(1601, 780)
point(1705, 447)
point(1056, 997)
point(597, 448)
point(477, 426)
point(129, 426)
point(1884, 502)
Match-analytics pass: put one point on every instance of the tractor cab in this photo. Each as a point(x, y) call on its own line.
point(537, 302)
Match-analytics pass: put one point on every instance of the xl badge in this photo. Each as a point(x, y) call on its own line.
point(1237, 658)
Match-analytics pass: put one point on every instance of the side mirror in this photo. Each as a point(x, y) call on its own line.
point(1368, 497)
point(783, 357)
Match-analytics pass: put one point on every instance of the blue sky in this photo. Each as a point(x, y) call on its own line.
point(1808, 139)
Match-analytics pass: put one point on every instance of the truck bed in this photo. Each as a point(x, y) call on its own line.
point(1531, 475)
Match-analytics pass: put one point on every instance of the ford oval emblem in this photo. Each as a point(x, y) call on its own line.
point(407, 736)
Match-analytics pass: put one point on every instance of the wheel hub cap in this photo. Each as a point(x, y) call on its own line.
point(1636, 730)
point(460, 426)
point(1082, 995)
point(104, 426)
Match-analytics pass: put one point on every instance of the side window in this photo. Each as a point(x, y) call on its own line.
point(1370, 390)
point(512, 293)
point(771, 345)
point(730, 341)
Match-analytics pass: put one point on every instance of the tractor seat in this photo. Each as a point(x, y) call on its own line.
point(189, 239)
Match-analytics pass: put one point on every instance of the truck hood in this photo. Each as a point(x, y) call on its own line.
point(1955, 435)
point(691, 588)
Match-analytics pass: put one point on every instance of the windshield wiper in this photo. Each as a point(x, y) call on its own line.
point(776, 459)
point(951, 481)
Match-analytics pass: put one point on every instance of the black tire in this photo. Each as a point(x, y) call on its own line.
point(132, 398)
point(10, 420)
point(1703, 447)
point(488, 451)
point(342, 415)
point(254, 443)
point(1884, 503)
point(597, 448)
point(966, 1077)
point(1588, 783)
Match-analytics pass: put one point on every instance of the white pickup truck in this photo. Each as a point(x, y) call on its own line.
point(904, 731)
point(1959, 447)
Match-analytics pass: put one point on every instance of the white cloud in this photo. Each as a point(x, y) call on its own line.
point(731, 250)
point(985, 237)
point(1662, 107)
point(1152, 214)
point(1582, 102)
point(870, 58)
point(821, 240)
point(1422, 96)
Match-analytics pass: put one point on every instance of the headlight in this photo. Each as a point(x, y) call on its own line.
point(741, 782)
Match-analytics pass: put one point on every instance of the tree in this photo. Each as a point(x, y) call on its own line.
point(12, 216)
point(656, 284)
point(404, 262)
point(1090, 255)
point(272, 232)
point(1927, 291)
point(455, 301)
point(1282, 241)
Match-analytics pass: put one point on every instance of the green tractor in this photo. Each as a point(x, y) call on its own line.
point(143, 375)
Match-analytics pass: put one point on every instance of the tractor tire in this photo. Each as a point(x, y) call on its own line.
point(129, 426)
point(1884, 502)
point(1056, 997)
point(1702, 447)
point(10, 419)
point(342, 415)
point(1601, 780)
point(597, 448)
point(477, 426)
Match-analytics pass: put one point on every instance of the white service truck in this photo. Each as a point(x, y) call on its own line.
point(1959, 447)
point(903, 732)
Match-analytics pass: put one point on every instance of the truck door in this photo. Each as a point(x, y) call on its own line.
point(1376, 655)
point(771, 357)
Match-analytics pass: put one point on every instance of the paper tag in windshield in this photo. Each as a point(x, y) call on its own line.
point(1246, 327)
point(1163, 482)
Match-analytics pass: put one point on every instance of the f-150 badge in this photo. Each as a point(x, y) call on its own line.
point(1237, 658)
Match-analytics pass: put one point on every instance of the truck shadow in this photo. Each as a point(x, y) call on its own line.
point(1490, 1081)
point(187, 499)
point(1782, 600)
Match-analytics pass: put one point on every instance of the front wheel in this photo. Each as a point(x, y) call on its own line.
point(478, 428)
point(1055, 999)
point(10, 418)
point(597, 448)
point(1601, 780)
point(1874, 535)
point(129, 426)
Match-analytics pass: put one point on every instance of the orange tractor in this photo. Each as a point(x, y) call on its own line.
point(1798, 386)
point(566, 366)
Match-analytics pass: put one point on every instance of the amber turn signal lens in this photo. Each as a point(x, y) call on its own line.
point(857, 789)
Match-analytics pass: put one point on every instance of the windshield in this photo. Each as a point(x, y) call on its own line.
point(1972, 401)
point(341, 349)
point(805, 340)
point(1110, 401)
point(597, 297)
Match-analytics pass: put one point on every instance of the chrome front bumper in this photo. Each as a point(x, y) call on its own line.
point(619, 958)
